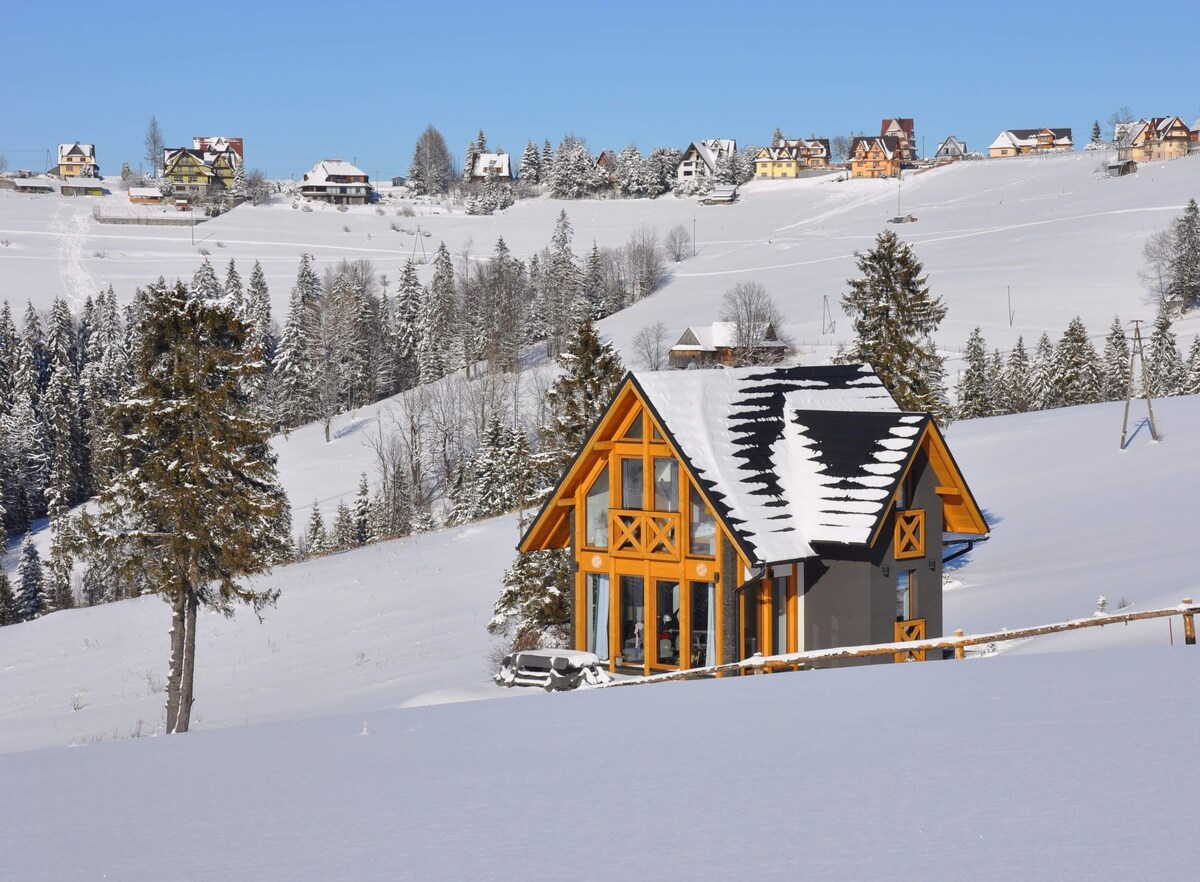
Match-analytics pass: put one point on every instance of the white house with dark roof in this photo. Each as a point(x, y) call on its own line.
point(701, 158)
point(712, 515)
point(1022, 142)
point(951, 150)
point(495, 165)
point(718, 344)
point(338, 182)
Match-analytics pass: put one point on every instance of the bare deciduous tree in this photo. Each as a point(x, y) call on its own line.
point(677, 242)
point(650, 346)
point(1119, 116)
point(3, 163)
point(1158, 254)
point(154, 146)
point(757, 320)
point(839, 146)
point(644, 258)
point(432, 168)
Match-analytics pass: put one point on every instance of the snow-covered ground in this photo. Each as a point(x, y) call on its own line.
point(1065, 757)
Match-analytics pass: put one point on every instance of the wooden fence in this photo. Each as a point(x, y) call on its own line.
point(795, 661)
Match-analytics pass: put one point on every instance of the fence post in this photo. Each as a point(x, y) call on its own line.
point(1189, 624)
point(959, 649)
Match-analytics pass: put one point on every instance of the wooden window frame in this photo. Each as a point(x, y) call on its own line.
point(910, 534)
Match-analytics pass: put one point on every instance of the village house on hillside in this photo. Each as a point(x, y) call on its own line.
point(902, 130)
point(712, 515)
point(792, 157)
point(77, 161)
point(79, 186)
point(874, 157)
point(206, 167)
point(1155, 140)
point(951, 150)
point(1022, 142)
point(496, 165)
point(337, 182)
point(701, 158)
point(718, 344)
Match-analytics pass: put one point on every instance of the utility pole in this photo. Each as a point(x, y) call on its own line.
point(1136, 351)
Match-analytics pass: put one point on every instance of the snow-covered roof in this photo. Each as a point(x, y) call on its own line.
point(718, 334)
point(1029, 137)
point(788, 455)
point(332, 168)
point(145, 192)
point(486, 161)
point(88, 183)
point(86, 151)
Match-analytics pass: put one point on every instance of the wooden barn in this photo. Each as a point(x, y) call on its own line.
point(712, 515)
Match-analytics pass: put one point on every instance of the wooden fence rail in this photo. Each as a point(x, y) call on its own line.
point(800, 660)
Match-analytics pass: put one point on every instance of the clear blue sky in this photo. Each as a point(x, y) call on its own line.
point(360, 80)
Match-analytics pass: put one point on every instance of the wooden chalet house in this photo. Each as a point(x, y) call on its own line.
point(77, 161)
point(712, 515)
point(1022, 142)
point(701, 157)
point(717, 345)
point(950, 150)
point(901, 128)
point(208, 166)
point(1155, 140)
point(874, 157)
point(791, 158)
point(338, 183)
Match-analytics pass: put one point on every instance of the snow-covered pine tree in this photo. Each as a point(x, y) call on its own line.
point(258, 316)
point(743, 164)
point(1015, 391)
point(60, 412)
point(193, 504)
point(633, 175)
point(362, 512)
point(475, 149)
point(56, 590)
point(1115, 362)
point(30, 581)
point(592, 371)
point(26, 460)
point(315, 539)
point(1076, 373)
point(575, 175)
point(894, 317)
point(105, 373)
point(995, 376)
point(1096, 136)
point(1044, 394)
point(1183, 278)
point(1192, 384)
point(562, 305)
point(1165, 371)
point(406, 319)
point(204, 282)
point(533, 607)
point(726, 171)
point(974, 390)
point(342, 535)
point(8, 602)
point(531, 164)
point(233, 286)
point(777, 137)
point(296, 359)
point(31, 373)
point(663, 166)
point(438, 321)
point(546, 169)
point(9, 344)
point(592, 284)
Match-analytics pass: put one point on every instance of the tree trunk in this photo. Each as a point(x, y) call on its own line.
point(175, 668)
point(189, 664)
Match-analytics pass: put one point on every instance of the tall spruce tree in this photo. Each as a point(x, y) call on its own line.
point(1044, 394)
point(438, 321)
point(592, 371)
point(531, 164)
point(1191, 385)
point(8, 602)
point(194, 499)
point(316, 540)
point(1115, 362)
point(30, 582)
point(1183, 274)
point(1165, 371)
point(894, 317)
point(974, 389)
point(1076, 374)
point(1015, 392)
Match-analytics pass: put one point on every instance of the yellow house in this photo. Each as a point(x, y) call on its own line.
point(1155, 140)
point(712, 515)
point(77, 161)
point(209, 165)
point(791, 157)
point(874, 157)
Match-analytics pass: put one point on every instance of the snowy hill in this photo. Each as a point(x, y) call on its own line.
point(1053, 759)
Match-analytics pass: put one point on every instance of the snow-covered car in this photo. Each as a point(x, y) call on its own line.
point(552, 669)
